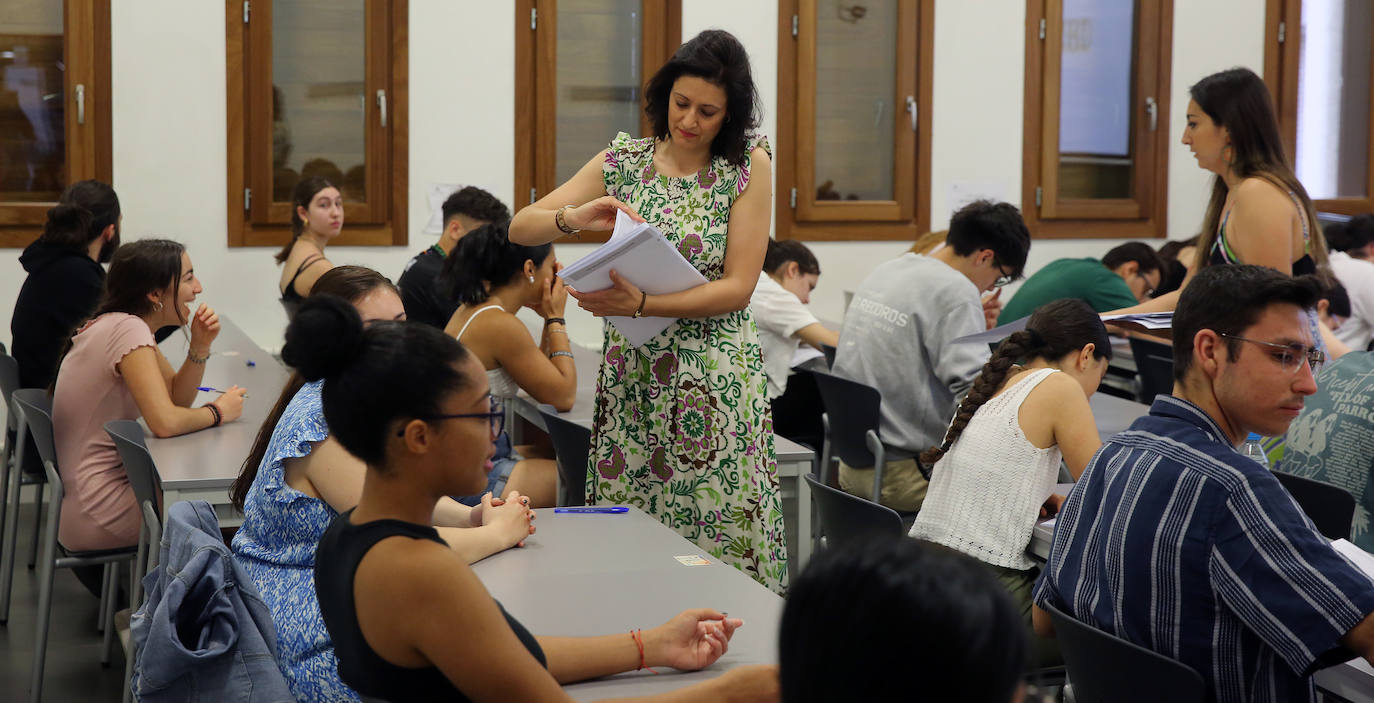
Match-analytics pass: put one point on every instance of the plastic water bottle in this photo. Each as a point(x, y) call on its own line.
point(1254, 450)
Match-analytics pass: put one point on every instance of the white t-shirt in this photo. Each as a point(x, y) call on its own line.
point(778, 314)
point(1357, 275)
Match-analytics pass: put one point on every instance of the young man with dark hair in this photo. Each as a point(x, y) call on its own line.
point(897, 338)
point(65, 277)
point(1177, 542)
point(465, 210)
point(1126, 276)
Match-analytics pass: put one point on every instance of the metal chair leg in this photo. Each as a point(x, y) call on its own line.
point(108, 610)
point(37, 521)
point(104, 598)
point(44, 614)
point(11, 540)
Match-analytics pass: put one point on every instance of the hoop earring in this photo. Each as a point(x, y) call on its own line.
point(157, 303)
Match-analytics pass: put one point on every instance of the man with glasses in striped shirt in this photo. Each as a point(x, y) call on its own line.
point(1175, 541)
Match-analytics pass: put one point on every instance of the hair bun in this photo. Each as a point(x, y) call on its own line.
point(323, 338)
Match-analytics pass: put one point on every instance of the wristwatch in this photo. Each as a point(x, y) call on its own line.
point(644, 298)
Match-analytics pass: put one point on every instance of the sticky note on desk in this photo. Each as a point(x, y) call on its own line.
point(693, 560)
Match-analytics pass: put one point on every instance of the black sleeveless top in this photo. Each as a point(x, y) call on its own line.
point(341, 549)
point(290, 299)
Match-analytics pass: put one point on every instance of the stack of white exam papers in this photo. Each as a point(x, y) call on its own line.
point(640, 253)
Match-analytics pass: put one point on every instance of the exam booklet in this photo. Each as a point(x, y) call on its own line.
point(640, 253)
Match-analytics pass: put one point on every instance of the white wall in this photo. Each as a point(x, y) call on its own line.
point(169, 121)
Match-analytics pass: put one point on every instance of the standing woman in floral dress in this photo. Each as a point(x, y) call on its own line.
point(683, 428)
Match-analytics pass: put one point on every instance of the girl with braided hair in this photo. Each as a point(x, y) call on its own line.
point(994, 474)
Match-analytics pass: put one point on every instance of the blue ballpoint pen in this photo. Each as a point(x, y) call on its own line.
point(592, 509)
point(208, 389)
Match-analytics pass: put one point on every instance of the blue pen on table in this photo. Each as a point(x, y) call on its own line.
point(592, 509)
point(208, 389)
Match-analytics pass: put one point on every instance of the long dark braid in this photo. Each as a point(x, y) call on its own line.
point(1054, 330)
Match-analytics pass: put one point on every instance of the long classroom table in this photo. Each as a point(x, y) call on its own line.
point(203, 465)
point(595, 574)
point(794, 460)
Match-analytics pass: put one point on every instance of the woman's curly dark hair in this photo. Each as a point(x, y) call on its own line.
point(1054, 330)
point(717, 57)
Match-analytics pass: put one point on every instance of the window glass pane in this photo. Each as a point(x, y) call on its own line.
point(1095, 98)
point(1333, 97)
point(319, 100)
point(599, 87)
point(856, 100)
point(33, 149)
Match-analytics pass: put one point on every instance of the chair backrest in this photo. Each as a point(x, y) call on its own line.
point(1332, 508)
point(9, 383)
point(571, 445)
point(847, 520)
point(36, 407)
point(138, 463)
point(852, 409)
point(1154, 366)
point(829, 353)
point(1104, 667)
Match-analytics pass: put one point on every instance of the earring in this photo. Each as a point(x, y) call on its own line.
point(531, 279)
point(157, 303)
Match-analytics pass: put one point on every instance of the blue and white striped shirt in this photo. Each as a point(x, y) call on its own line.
point(1175, 541)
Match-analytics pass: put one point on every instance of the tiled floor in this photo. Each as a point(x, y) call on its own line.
point(73, 672)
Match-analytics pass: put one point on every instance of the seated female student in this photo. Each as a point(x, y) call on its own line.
point(995, 473)
point(114, 371)
point(493, 279)
point(298, 478)
point(900, 620)
point(414, 405)
point(316, 217)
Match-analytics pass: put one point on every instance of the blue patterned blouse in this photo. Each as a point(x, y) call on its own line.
point(276, 545)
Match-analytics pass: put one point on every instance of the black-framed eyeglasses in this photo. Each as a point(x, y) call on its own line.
point(1004, 278)
point(1149, 289)
point(1289, 356)
point(496, 418)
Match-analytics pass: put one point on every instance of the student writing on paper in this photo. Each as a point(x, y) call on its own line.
point(493, 279)
point(1207, 559)
point(683, 427)
point(298, 478)
point(408, 618)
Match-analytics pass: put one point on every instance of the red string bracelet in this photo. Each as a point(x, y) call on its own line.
point(639, 642)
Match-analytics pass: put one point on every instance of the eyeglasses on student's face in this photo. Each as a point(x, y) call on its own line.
point(1289, 356)
point(1149, 288)
point(1004, 278)
point(496, 418)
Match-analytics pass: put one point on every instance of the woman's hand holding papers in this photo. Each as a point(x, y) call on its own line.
point(598, 215)
point(622, 299)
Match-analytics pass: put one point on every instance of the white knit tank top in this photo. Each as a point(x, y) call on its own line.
point(500, 381)
point(985, 493)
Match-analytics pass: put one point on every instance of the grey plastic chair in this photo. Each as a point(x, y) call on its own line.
point(1103, 667)
point(847, 520)
point(23, 467)
point(1331, 508)
point(35, 413)
point(571, 445)
point(851, 421)
point(146, 482)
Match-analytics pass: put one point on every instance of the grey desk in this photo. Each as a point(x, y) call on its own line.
point(794, 460)
point(602, 574)
point(202, 465)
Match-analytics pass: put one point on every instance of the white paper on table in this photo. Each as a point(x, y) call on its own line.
point(1146, 320)
point(805, 353)
point(438, 193)
point(995, 334)
point(640, 253)
point(1362, 559)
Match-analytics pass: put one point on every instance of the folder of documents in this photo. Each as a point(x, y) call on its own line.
point(640, 253)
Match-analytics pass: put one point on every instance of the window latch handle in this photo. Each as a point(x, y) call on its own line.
point(381, 106)
point(80, 103)
point(911, 110)
point(1152, 108)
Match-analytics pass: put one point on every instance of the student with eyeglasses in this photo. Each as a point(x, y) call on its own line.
point(1127, 275)
point(414, 405)
point(1174, 540)
point(298, 478)
point(898, 333)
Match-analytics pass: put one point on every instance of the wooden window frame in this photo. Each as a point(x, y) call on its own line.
point(1282, 55)
point(1145, 215)
point(908, 215)
point(536, 57)
point(381, 221)
point(86, 55)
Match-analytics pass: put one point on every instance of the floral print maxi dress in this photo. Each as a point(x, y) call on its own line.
point(683, 429)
